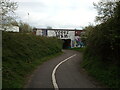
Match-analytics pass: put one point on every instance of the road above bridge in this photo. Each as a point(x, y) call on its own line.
point(63, 71)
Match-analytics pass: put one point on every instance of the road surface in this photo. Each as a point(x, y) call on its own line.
point(63, 71)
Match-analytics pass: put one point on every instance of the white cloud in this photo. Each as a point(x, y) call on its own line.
point(57, 13)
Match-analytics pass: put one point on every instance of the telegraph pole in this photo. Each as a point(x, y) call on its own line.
point(28, 18)
point(1, 16)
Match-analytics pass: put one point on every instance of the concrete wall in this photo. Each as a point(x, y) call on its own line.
point(61, 34)
point(77, 42)
point(64, 35)
point(51, 33)
point(39, 32)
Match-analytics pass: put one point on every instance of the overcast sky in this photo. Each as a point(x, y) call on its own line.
point(56, 13)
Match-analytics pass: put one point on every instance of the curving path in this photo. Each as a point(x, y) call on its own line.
point(63, 71)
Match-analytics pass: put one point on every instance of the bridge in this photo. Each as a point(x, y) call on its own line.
point(71, 37)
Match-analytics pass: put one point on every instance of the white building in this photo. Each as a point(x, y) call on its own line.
point(12, 28)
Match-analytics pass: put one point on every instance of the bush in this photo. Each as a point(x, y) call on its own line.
point(101, 57)
point(22, 53)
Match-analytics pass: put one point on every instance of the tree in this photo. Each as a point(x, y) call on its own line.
point(103, 48)
point(105, 10)
point(49, 27)
point(14, 23)
point(24, 27)
point(7, 12)
point(88, 30)
point(105, 37)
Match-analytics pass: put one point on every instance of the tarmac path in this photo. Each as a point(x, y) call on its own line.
point(63, 71)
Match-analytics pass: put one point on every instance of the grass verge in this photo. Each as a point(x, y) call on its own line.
point(78, 49)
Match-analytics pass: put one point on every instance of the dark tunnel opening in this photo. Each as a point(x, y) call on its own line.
point(66, 43)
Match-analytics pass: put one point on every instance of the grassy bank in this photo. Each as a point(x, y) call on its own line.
point(22, 53)
point(106, 73)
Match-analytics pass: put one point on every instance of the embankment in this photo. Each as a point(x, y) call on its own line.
point(22, 53)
